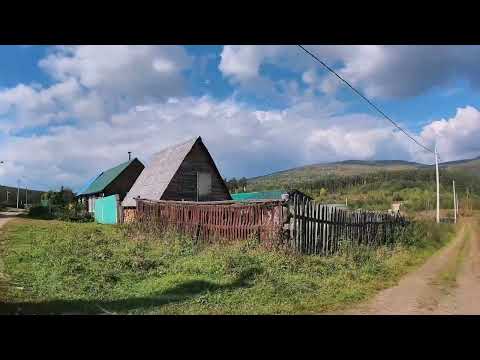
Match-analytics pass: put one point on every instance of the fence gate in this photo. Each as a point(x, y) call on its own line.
point(107, 210)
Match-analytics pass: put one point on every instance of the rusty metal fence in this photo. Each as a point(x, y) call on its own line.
point(216, 221)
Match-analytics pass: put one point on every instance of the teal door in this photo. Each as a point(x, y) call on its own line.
point(106, 210)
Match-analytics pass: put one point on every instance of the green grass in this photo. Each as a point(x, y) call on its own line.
point(90, 268)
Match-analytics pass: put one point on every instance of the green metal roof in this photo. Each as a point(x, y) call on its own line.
point(259, 195)
point(105, 178)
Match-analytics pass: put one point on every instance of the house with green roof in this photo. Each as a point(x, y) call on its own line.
point(115, 181)
point(268, 195)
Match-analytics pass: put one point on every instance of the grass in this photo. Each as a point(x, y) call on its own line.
point(60, 267)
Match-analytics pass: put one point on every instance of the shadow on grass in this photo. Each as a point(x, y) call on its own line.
point(178, 293)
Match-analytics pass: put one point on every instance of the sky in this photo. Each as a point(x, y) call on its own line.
point(69, 112)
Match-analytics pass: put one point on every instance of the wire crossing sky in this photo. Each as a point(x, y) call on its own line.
point(366, 99)
point(67, 112)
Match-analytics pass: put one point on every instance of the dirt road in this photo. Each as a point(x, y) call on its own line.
point(448, 283)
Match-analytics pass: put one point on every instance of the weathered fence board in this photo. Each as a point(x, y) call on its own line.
point(215, 222)
point(320, 229)
point(313, 228)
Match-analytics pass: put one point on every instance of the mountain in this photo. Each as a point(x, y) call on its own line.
point(471, 166)
point(360, 167)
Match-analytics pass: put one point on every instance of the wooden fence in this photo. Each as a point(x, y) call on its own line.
point(301, 224)
point(322, 229)
point(216, 221)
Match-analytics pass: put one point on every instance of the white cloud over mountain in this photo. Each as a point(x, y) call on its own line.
point(107, 101)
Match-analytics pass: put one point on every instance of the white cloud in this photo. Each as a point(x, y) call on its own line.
point(241, 63)
point(379, 70)
point(132, 104)
point(26, 106)
point(94, 82)
point(457, 137)
point(242, 139)
point(133, 71)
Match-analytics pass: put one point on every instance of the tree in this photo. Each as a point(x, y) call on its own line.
point(232, 184)
point(242, 183)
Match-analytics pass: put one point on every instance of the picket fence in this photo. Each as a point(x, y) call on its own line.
point(322, 229)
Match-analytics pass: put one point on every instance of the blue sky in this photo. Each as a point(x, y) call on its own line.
point(68, 112)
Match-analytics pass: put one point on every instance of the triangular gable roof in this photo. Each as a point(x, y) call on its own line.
point(154, 179)
point(105, 178)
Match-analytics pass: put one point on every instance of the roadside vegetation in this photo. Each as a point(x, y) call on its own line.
point(67, 267)
point(60, 205)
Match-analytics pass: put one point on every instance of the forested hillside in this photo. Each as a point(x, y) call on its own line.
point(376, 184)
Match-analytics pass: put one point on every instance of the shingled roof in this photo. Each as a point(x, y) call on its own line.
point(154, 179)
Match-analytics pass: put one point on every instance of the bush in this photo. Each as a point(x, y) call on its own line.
point(73, 211)
point(40, 212)
point(397, 197)
point(425, 233)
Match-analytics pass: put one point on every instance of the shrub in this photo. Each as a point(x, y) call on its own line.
point(425, 233)
point(397, 197)
point(40, 212)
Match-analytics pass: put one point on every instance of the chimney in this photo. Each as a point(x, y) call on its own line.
point(129, 155)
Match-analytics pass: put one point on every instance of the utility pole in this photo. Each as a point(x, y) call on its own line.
point(467, 201)
point(438, 185)
point(454, 203)
point(26, 190)
point(18, 193)
point(457, 205)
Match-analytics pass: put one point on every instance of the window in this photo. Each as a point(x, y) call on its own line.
point(204, 184)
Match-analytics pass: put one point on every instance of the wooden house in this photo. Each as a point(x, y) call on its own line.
point(181, 172)
point(115, 181)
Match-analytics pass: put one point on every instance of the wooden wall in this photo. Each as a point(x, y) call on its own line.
point(184, 183)
point(122, 184)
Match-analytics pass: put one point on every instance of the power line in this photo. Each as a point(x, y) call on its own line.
point(364, 98)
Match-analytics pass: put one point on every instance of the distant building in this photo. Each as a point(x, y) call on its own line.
point(115, 181)
point(396, 207)
point(268, 195)
point(181, 172)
